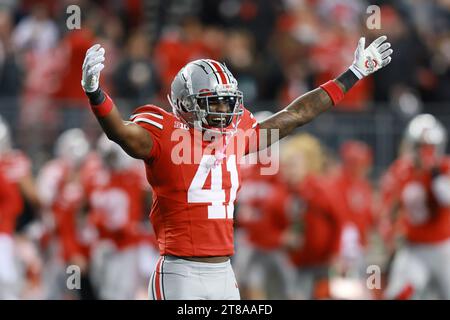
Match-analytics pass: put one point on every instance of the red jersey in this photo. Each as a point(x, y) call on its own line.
point(263, 209)
point(423, 218)
point(321, 226)
point(116, 202)
point(15, 165)
point(64, 195)
point(10, 205)
point(353, 201)
point(194, 189)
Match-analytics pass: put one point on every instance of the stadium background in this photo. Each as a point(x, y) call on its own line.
point(277, 50)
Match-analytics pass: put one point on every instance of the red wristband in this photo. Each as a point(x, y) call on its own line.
point(334, 91)
point(104, 108)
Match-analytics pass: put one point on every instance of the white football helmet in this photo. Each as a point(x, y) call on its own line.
point(200, 84)
point(426, 129)
point(5, 136)
point(112, 154)
point(73, 146)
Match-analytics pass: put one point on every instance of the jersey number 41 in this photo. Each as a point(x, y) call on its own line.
point(216, 194)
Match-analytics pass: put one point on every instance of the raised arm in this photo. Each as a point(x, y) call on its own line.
point(136, 141)
point(310, 105)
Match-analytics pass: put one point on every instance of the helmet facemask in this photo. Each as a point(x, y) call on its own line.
point(218, 112)
point(203, 102)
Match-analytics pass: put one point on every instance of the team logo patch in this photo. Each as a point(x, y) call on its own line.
point(371, 64)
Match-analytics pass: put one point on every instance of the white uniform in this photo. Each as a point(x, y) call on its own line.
point(10, 277)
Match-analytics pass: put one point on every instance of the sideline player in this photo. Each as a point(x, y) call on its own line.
point(60, 184)
point(116, 196)
point(418, 185)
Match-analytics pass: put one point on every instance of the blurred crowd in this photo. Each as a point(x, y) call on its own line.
point(297, 243)
point(277, 50)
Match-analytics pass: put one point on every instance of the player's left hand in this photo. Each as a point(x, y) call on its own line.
point(92, 66)
point(376, 56)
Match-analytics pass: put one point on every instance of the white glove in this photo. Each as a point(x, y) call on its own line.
point(92, 66)
point(369, 60)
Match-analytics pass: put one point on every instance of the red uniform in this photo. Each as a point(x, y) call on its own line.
point(116, 201)
point(352, 198)
point(193, 207)
point(424, 220)
point(263, 208)
point(321, 225)
point(15, 165)
point(10, 205)
point(65, 197)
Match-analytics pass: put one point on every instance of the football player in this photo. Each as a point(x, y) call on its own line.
point(416, 192)
point(116, 196)
point(61, 188)
point(312, 238)
point(260, 262)
point(191, 157)
point(10, 206)
point(17, 168)
point(353, 200)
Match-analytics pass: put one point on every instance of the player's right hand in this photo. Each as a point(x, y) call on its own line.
point(92, 66)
